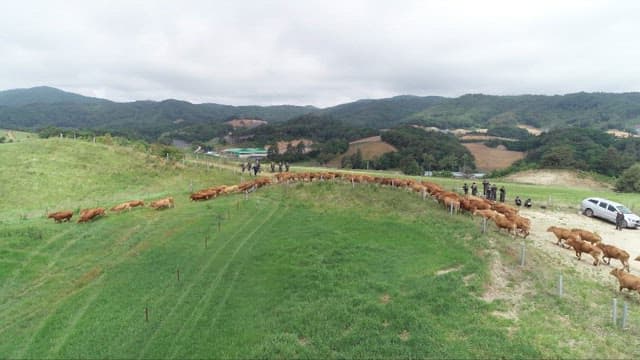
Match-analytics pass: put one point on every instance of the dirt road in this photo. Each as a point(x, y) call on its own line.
point(627, 239)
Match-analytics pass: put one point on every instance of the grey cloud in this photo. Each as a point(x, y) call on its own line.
point(318, 52)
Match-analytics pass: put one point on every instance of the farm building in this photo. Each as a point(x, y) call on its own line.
point(245, 153)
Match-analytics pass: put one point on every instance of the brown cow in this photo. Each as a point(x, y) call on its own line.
point(588, 236)
point(136, 203)
point(502, 222)
point(561, 234)
point(583, 246)
point(523, 223)
point(90, 214)
point(163, 203)
point(61, 216)
point(610, 251)
point(626, 281)
point(120, 207)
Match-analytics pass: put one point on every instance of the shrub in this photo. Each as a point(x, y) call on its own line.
point(629, 181)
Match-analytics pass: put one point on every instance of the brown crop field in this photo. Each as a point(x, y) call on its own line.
point(489, 159)
point(371, 148)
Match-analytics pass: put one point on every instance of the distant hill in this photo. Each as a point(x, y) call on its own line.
point(597, 110)
point(44, 106)
point(381, 113)
point(43, 95)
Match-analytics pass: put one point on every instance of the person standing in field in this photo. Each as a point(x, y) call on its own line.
point(494, 192)
point(619, 220)
point(502, 193)
point(474, 189)
point(485, 187)
point(465, 188)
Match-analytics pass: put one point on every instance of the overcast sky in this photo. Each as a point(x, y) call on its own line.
point(318, 52)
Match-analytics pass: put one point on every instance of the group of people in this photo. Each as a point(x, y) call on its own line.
point(527, 203)
point(280, 166)
point(255, 167)
point(490, 191)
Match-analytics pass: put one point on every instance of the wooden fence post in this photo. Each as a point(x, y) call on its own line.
point(560, 286)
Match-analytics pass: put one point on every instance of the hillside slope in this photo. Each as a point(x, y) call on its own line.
point(314, 270)
point(42, 106)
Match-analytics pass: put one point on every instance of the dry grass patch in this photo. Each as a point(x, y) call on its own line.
point(489, 159)
point(88, 277)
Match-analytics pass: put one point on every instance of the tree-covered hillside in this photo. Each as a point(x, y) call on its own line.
point(598, 110)
point(40, 107)
point(577, 148)
point(36, 108)
point(381, 113)
point(43, 95)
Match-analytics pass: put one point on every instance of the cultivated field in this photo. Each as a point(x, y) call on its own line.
point(371, 148)
point(489, 159)
point(305, 270)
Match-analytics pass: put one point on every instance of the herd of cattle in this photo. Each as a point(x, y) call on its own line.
point(504, 216)
point(583, 241)
point(90, 214)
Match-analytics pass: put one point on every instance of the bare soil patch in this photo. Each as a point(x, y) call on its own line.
point(556, 177)
point(485, 137)
point(446, 271)
point(370, 150)
point(246, 123)
point(532, 130)
point(367, 139)
point(385, 299)
point(404, 335)
point(620, 133)
point(489, 159)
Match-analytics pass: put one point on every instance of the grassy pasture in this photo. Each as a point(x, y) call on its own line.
point(556, 197)
point(322, 270)
point(16, 136)
point(55, 174)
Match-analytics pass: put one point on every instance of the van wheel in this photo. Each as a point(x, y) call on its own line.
point(624, 224)
point(588, 212)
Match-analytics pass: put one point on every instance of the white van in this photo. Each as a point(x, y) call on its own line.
point(607, 210)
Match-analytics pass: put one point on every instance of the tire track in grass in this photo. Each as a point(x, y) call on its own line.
point(45, 314)
point(203, 270)
point(71, 326)
point(198, 309)
point(43, 322)
point(32, 254)
point(46, 272)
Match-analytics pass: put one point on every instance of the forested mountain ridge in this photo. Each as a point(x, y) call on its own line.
point(33, 109)
point(596, 110)
point(43, 95)
point(40, 107)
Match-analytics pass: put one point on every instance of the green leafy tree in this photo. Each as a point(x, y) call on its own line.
point(629, 181)
point(410, 166)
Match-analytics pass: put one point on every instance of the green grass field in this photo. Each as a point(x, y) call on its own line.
point(16, 136)
point(322, 270)
point(557, 197)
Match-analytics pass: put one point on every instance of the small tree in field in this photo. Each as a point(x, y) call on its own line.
point(629, 181)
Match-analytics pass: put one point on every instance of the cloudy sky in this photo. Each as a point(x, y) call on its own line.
point(318, 52)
